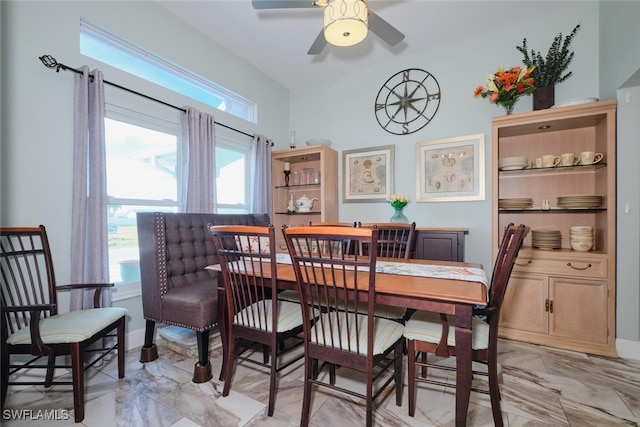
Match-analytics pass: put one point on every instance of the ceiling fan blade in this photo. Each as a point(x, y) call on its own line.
point(282, 4)
point(384, 30)
point(318, 45)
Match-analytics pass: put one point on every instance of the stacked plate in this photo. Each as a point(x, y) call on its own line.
point(546, 238)
point(512, 163)
point(583, 201)
point(581, 238)
point(515, 203)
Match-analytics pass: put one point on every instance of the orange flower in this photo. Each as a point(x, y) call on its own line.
point(505, 87)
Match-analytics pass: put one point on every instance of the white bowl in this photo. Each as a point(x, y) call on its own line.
point(581, 247)
point(581, 229)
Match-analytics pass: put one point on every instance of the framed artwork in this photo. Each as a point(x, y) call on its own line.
point(368, 174)
point(450, 169)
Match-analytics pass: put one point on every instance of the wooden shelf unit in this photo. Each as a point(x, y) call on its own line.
point(318, 157)
point(559, 297)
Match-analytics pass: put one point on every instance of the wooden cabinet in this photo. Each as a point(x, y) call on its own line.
point(559, 297)
point(441, 244)
point(317, 158)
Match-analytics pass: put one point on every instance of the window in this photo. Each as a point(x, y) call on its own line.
point(117, 52)
point(142, 153)
point(141, 176)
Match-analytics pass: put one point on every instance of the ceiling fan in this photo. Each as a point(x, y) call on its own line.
point(346, 22)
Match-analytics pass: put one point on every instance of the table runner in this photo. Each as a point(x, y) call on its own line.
point(468, 274)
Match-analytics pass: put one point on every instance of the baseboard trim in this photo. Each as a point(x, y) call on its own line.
point(135, 338)
point(628, 349)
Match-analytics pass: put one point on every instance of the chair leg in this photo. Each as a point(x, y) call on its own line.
point(149, 350)
point(228, 365)
point(202, 369)
point(77, 373)
point(272, 380)
point(310, 366)
point(48, 379)
point(411, 374)
point(121, 348)
point(398, 354)
point(494, 391)
point(4, 378)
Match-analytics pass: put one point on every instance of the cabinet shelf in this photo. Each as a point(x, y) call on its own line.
point(556, 169)
point(552, 210)
point(298, 213)
point(293, 187)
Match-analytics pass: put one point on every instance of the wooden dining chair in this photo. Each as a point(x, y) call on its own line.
point(291, 294)
point(428, 332)
point(340, 335)
point(32, 324)
point(253, 314)
point(395, 241)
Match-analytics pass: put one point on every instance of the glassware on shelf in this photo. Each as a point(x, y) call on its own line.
point(316, 177)
point(295, 177)
point(308, 175)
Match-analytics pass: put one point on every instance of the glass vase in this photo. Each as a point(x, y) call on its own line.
point(398, 216)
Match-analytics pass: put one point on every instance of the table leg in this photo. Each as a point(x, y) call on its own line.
point(463, 362)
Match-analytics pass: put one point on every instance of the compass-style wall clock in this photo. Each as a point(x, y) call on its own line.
point(407, 101)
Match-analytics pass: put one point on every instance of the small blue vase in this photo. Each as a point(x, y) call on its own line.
point(398, 216)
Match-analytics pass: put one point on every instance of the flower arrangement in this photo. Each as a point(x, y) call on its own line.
point(505, 87)
point(398, 201)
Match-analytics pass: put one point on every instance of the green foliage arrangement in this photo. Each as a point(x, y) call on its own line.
point(550, 69)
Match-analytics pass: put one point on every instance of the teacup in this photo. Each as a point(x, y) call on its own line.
point(550, 160)
point(590, 157)
point(538, 162)
point(568, 159)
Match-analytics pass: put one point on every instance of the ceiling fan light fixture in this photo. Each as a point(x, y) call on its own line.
point(346, 22)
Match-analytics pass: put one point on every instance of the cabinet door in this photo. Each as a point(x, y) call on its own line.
point(438, 246)
point(524, 306)
point(579, 309)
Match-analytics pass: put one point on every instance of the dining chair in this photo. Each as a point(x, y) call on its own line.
point(340, 335)
point(428, 332)
point(253, 314)
point(291, 294)
point(32, 324)
point(395, 241)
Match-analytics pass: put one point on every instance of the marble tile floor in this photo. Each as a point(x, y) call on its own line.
point(540, 386)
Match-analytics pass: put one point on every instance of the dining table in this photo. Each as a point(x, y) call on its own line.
point(438, 286)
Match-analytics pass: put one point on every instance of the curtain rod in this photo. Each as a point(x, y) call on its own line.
point(50, 62)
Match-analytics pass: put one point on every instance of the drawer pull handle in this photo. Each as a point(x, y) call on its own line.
point(524, 264)
point(578, 268)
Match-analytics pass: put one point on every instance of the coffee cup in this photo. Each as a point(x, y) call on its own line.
point(550, 160)
point(538, 162)
point(590, 157)
point(568, 159)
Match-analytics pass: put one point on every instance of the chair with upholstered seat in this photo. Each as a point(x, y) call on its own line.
point(253, 314)
point(33, 325)
point(429, 332)
point(394, 242)
point(340, 335)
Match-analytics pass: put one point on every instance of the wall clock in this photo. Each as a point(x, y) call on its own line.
point(407, 101)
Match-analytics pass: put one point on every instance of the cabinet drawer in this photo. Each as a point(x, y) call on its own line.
point(561, 263)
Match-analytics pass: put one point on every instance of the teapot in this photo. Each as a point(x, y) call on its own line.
point(304, 204)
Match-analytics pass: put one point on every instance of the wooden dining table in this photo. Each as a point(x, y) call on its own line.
point(456, 295)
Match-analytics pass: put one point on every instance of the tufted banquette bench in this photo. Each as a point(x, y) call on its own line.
point(175, 248)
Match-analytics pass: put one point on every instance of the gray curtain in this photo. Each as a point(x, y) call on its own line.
point(197, 170)
point(89, 241)
point(261, 170)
